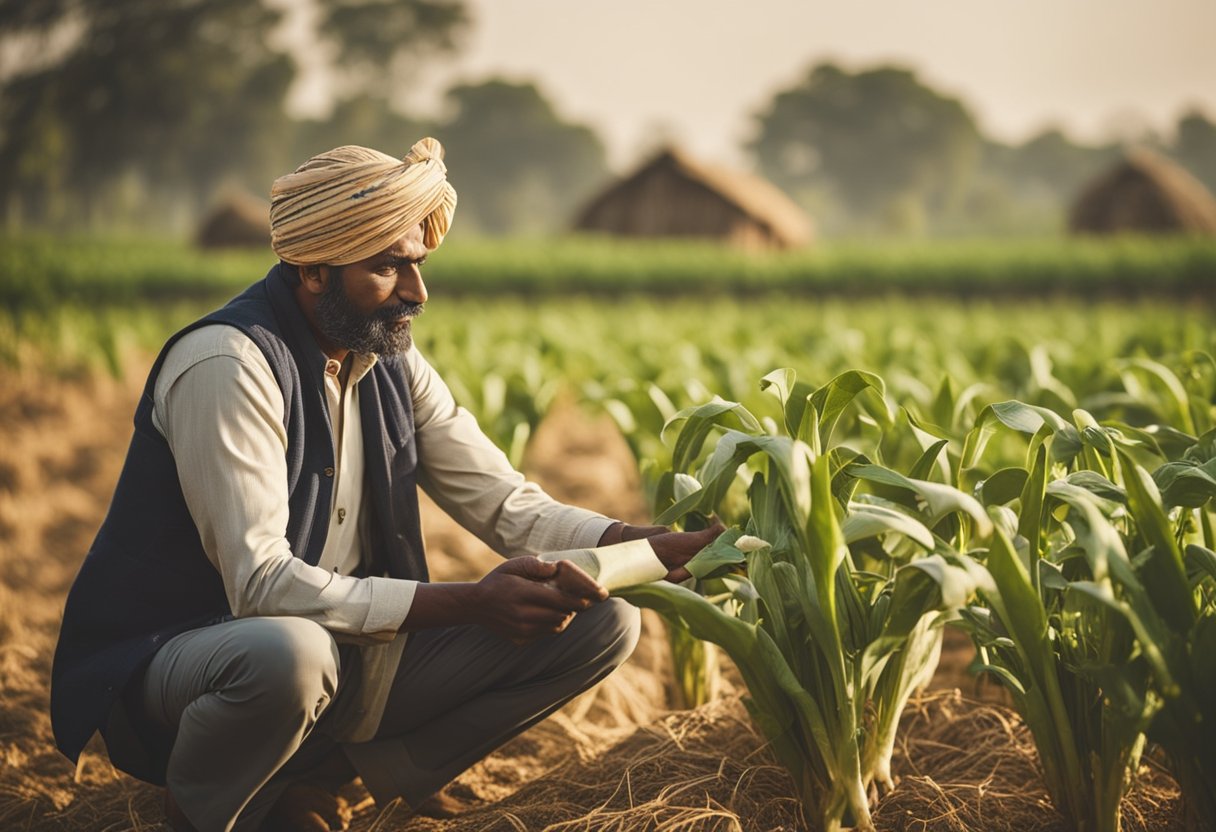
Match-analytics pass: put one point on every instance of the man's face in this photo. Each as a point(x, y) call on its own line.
point(367, 306)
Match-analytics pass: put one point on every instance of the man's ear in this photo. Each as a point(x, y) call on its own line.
point(313, 278)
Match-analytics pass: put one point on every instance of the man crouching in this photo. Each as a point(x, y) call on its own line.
point(254, 625)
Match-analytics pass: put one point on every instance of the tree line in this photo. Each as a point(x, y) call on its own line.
point(137, 114)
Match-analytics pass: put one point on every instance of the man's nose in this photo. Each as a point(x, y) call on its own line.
point(410, 285)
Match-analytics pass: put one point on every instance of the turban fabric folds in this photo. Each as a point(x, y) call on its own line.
point(353, 202)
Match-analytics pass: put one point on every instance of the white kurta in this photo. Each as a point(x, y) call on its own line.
point(221, 411)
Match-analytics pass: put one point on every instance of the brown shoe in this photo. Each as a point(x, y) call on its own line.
point(440, 806)
point(308, 807)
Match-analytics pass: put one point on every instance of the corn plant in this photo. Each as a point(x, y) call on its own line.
point(1062, 638)
point(830, 652)
point(1179, 579)
point(1090, 621)
point(640, 409)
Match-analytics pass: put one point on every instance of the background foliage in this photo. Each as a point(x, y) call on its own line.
point(139, 114)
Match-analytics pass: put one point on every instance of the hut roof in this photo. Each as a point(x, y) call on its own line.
point(1144, 192)
point(237, 220)
point(754, 196)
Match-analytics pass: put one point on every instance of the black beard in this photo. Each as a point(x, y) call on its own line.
point(380, 332)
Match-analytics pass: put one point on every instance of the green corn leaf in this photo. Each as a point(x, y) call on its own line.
point(1023, 418)
point(745, 596)
point(1006, 519)
point(1103, 593)
point(831, 399)
point(662, 402)
point(1109, 495)
point(938, 500)
point(1003, 486)
point(770, 521)
point(825, 553)
point(718, 557)
point(789, 472)
point(1172, 441)
point(970, 394)
point(1165, 575)
point(1109, 564)
point(1186, 483)
point(1148, 446)
point(867, 520)
point(942, 408)
point(1031, 519)
point(1178, 403)
point(793, 396)
point(925, 463)
point(808, 428)
point(708, 623)
point(1200, 562)
point(922, 586)
point(1202, 449)
point(695, 424)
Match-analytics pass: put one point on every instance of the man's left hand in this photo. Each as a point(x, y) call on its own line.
point(674, 549)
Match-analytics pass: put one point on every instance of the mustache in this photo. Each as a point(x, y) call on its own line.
point(401, 310)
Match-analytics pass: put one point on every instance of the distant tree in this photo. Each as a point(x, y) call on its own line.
point(175, 92)
point(885, 144)
point(516, 164)
point(1195, 147)
point(378, 45)
point(1049, 163)
point(364, 119)
point(167, 99)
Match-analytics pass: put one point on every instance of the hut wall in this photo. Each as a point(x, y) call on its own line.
point(665, 203)
point(1145, 193)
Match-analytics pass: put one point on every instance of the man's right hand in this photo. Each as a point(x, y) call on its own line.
point(523, 599)
point(526, 598)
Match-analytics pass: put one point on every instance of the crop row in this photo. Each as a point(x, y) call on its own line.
point(45, 272)
point(1083, 565)
point(1037, 473)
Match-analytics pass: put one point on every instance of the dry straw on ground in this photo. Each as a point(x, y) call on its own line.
point(612, 760)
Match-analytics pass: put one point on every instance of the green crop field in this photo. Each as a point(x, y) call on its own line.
point(1015, 441)
point(44, 272)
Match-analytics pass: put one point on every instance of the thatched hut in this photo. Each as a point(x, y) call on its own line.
point(674, 196)
point(238, 220)
point(1144, 193)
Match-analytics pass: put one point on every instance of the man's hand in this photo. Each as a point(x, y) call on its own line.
point(674, 549)
point(526, 598)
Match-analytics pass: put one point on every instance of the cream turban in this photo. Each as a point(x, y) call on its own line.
point(353, 202)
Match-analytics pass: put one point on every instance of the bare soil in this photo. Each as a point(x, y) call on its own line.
point(615, 759)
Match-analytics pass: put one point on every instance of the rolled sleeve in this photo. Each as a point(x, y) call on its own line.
point(390, 603)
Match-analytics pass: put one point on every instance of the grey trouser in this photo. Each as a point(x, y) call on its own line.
point(243, 697)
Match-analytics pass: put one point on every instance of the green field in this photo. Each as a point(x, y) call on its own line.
point(84, 306)
point(1015, 440)
point(44, 272)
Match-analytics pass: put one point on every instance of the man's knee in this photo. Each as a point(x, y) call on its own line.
point(612, 629)
point(292, 661)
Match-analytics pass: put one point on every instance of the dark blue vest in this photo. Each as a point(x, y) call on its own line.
point(146, 577)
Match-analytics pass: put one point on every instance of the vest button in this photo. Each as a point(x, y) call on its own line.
point(329, 472)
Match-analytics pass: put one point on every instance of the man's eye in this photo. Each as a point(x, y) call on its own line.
point(387, 268)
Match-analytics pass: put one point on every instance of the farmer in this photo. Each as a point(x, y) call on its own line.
point(253, 626)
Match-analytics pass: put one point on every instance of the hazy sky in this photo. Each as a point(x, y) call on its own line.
point(698, 70)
